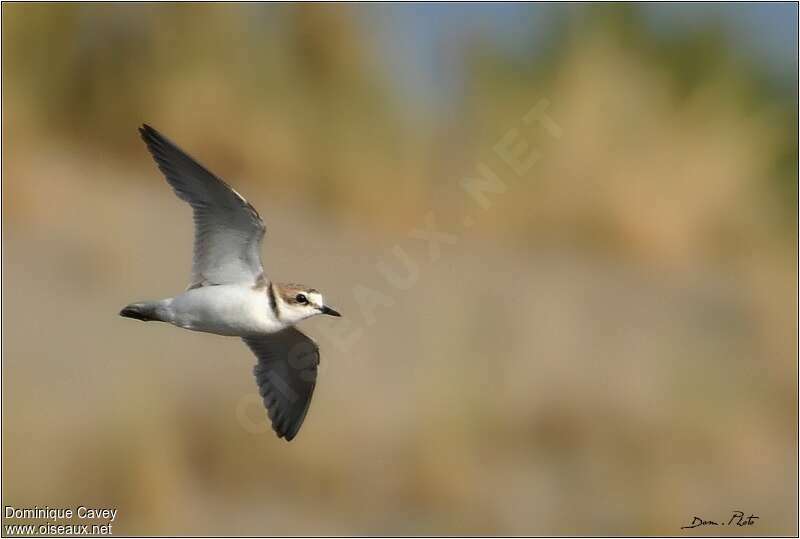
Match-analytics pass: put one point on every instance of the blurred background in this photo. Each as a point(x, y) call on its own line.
point(609, 347)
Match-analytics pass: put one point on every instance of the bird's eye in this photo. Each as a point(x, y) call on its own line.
point(301, 298)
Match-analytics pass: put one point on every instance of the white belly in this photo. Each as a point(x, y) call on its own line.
point(225, 310)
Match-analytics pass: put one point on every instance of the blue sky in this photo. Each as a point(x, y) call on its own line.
point(420, 40)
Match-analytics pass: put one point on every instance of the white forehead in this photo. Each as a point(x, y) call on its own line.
point(315, 297)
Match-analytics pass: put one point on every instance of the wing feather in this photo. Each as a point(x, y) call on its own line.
point(286, 374)
point(228, 230)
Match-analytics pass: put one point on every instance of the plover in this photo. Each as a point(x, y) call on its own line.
point(229, 294)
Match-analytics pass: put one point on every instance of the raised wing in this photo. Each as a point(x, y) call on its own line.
point(227, 229)
point(286, 374)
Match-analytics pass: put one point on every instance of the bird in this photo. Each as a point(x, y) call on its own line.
point(229, 293)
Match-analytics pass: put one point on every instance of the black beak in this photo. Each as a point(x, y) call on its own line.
point(327, 310)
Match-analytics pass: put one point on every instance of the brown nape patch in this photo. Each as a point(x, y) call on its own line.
point(288, 291)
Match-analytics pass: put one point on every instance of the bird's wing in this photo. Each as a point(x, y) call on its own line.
point(286, 374)
point(228, 230)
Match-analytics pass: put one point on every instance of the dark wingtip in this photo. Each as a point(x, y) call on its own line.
point(288, 433)
point(148, 133)
point(290, 428)
point(285, 428)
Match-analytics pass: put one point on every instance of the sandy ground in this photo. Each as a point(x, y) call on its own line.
point(498, 390)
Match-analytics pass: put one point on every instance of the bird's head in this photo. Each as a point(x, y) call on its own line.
point(296, 302)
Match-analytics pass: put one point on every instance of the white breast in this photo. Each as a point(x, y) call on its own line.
point(225, 310)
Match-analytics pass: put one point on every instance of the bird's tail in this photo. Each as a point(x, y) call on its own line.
point(141, 311)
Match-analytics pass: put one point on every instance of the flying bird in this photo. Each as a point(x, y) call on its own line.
point(229, 294)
